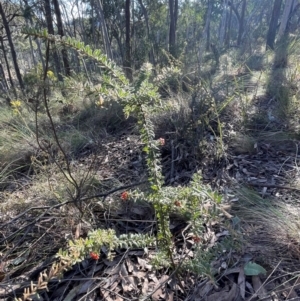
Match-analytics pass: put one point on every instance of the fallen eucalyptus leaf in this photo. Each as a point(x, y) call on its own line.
point(254, 269)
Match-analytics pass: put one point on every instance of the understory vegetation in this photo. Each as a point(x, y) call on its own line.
point(154, 173)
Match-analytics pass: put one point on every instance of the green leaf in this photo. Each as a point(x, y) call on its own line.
point(154, 187)
point(253, 269)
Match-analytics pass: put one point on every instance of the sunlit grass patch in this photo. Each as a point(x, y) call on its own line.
point(17, 139)
point(271, 225)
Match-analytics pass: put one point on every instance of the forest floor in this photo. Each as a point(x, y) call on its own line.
point(255, 167)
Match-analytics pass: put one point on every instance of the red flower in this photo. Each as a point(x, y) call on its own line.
point(162, 141)
point(124, 196)
point(94, 255)
point(177, 203)
point(196, 239)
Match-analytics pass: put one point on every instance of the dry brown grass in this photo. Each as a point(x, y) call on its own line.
point(271, 228)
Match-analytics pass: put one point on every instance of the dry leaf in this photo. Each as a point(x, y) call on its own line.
point(259, 289)
point(242, 282)
point(111, 282)
point(123, 270)
point(233, 293)
point(160, 288)
point(130, 265)
point(250, 288)
point(145, 287)
point(262, 180)
point(219, 296)
point(224, 295)
point(157, 294)
point(113, 270)
point(139, 274)
point(87, 285)
point(232, 271)
point(144, 264)
point(77, 231)
point(126, 286)
point(134, 282)
point(207, 288)
point(228, 215)
point(153, 278)
point(106, 295)
point(72, 294)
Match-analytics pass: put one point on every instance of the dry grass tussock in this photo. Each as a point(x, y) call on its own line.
point(271, 227)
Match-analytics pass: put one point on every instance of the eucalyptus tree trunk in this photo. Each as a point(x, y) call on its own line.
point(285, 17)
point(6, 63)
point(50, 28)
point(223, 22)
point(74, 54)
point(173, 10)
point(145, 13)
point(61, 33)
point(273, 24)
point(25, 13)
point(240, 17)
point(205, 33)
point(31, 49)
point(241, 23)
point(12, 48)
point(93, 22)
point(132, 34)
point(65, 14)
point(37, 41)
point(80, 22)
point(5, 84)
point(127, 61)
point(228, 29)
point(100, 14)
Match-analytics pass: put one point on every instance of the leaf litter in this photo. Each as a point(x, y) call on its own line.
point(266, 170)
